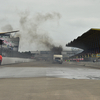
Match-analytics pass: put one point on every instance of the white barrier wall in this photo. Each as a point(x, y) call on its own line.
point(11, 60)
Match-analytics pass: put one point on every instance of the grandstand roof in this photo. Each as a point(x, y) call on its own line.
point(8, 32)
point(86, 40)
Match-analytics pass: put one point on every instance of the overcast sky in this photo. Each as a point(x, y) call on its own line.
point(76, 17)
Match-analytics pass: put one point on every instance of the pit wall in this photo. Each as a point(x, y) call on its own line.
point(11, 60)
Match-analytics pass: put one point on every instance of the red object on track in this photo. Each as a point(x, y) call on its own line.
point(0, 57)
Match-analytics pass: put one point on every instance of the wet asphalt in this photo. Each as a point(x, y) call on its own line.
point(47, 69)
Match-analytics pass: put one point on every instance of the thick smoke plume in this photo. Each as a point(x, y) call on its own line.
point(32, 31)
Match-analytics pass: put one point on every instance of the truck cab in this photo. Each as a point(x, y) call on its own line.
point(58, 59)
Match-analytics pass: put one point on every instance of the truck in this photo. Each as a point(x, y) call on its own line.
point(58, 59)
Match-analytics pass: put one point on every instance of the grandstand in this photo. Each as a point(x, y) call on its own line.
point(89, 42)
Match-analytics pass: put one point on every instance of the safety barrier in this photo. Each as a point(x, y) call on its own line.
point(11, 60)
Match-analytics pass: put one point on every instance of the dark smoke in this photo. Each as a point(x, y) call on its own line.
point(57, 50)
point(32, 33)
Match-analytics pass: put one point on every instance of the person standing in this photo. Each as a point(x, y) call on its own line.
point(0, 59)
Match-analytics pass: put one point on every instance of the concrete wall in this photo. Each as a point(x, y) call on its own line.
point(90, 64)
point(11, 60)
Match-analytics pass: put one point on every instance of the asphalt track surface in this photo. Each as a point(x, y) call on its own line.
point(47, 81)
point(47, 69)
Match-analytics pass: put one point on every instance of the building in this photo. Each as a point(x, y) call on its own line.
point(89, 42)
point(10, 44)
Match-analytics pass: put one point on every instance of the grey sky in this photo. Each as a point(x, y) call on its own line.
point(77, 17)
